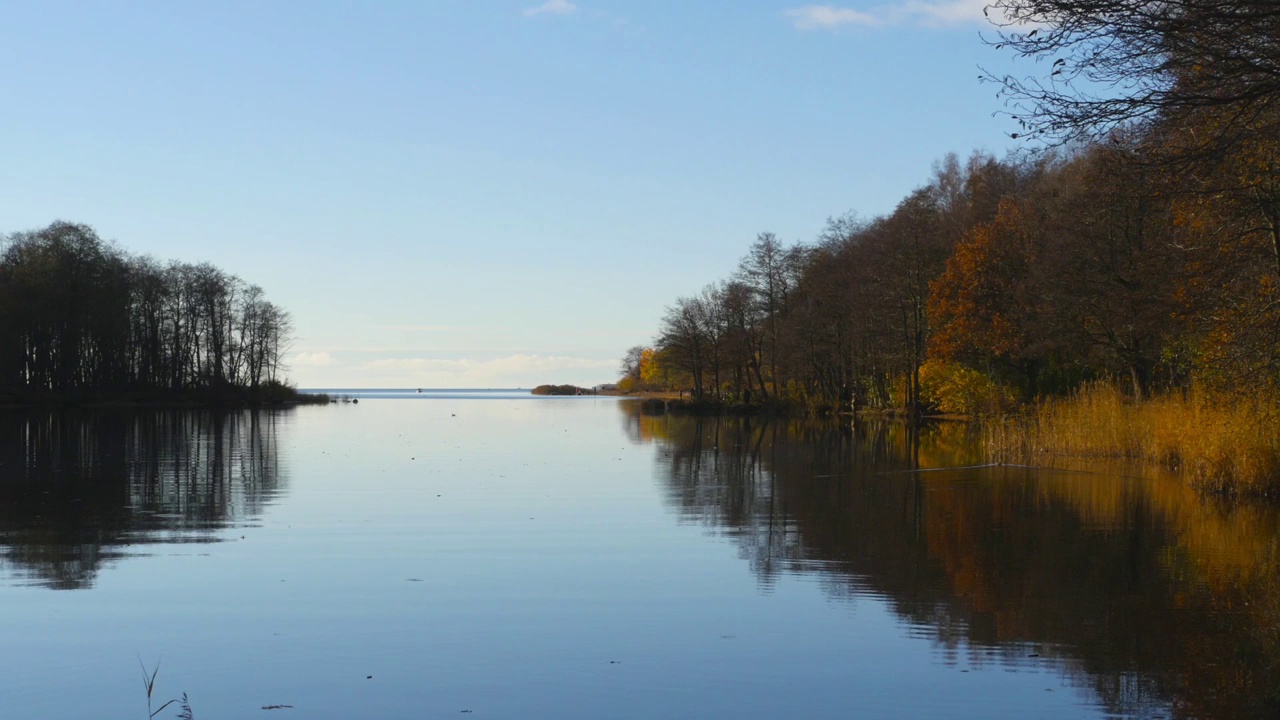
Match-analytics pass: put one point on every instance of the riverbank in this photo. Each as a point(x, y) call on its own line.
point(645, 395)
point(1222, 444)
point(680, 404)
point(274, 395)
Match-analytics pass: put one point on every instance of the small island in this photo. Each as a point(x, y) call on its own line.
point(562, 390)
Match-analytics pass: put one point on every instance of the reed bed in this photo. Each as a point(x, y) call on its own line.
point(1228, 445)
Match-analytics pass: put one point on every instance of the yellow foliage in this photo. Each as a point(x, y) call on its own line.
point(957, 390)
point(657, 372)
point(650, 372)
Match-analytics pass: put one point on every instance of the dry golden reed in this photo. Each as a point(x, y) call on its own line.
point(1224, 444)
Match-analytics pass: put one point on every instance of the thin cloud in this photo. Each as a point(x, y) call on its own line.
point(828, 17)
point(939, 13)
point(563, 8)
point(552, 7)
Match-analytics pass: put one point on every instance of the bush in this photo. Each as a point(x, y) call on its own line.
point(954, 389)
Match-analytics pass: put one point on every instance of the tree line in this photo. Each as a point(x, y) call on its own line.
point(1140, 241)
point(80, 317)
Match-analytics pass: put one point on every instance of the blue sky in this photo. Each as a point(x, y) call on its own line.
point(478, 193)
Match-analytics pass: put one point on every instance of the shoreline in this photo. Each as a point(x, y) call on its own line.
point(677, 403)
point(235, 400)
point(643, 394)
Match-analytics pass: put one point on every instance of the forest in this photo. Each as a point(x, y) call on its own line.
point(81, 320)
point(1135, 239)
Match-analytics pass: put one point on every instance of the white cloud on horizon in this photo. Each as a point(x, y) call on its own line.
point(323, 369)
point(552, 7)
point(418, 328)
point(312, 359)
point(926, 13)
point(509, 366)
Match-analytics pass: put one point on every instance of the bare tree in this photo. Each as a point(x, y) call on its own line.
point(1107, 64)
point(684, 340)
point(632, 364)
point(770, 271)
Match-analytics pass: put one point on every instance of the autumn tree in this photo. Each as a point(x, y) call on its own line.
point(983, 305)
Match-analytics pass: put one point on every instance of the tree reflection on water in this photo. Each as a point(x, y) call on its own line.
point(78, 489)
point(1158, 600)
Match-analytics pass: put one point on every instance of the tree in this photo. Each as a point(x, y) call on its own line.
point(1108, 271)
point(1108, 64)
point(632, 363)
point(982, 306)
point(769, 270)
point(743, 342)
point(687, 339)
point(910, 252)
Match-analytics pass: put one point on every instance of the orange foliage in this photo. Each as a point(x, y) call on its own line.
point(969, 304)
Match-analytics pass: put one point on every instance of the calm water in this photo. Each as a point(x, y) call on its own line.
point(573, 558)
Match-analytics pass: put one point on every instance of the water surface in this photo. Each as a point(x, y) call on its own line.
point(544, 558)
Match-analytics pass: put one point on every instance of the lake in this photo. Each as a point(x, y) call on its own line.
point(493, 555)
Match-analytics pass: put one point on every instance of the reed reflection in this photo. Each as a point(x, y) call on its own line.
point(76, 490)
point(1156, 601)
